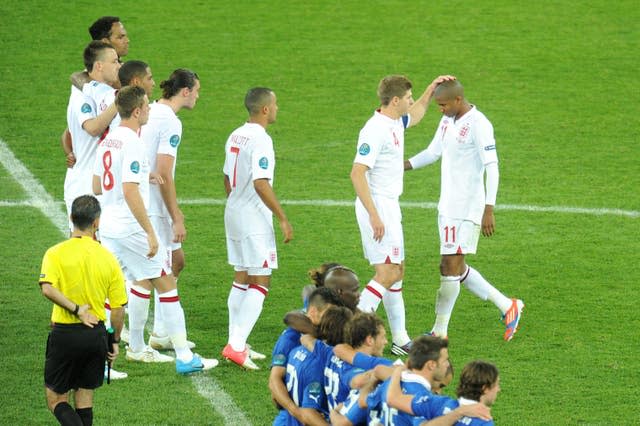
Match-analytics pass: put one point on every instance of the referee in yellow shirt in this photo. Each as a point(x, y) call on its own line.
point(77, 276)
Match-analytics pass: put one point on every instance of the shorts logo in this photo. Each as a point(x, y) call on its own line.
point(448, 245)
point(263, 163)
point(85, 108)
point(174, 140)
point(395, 251)
point(42, 275)
point(364, 149)
point(273, 257)
point(489, 147)
point(135, 167)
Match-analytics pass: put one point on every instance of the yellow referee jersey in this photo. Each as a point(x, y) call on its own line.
point(86, 273)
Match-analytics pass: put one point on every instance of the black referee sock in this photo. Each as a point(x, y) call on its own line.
point(66, 415)
point(86, 415)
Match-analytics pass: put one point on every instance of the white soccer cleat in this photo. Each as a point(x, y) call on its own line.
point(114, 374)
point(255, 355)
point(148, 354)
point(164, 343)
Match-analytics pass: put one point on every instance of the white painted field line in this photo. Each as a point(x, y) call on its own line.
point(39, 198)
point(430, 205)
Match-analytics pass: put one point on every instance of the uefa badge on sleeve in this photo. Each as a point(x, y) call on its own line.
point(364, 149)
point(174, 141)
point(263, 163)
point(135, 167)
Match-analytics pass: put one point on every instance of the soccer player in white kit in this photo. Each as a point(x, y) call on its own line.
point(377, 175)
point(465, 142)
point(251, 203)
point(85, 123)
point(162, 136)
point(121, 174)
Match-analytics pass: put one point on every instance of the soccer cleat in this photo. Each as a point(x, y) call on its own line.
point(241, 358)
point(164, 343)
point(114, 374)
point(255, 355)
point(148, 354)
point(401, 350)
point(511, 318)
point(196, 364)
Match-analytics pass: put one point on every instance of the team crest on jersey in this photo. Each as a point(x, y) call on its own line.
point(396, 141)
point(263, 163)
point(464, 131)
point(174, 140)
point(135, 167)
point(85, 108)
point(364, 149)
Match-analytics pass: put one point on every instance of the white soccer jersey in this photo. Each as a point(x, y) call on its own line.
point(121, 158)
point(101, 95)
point(466, 145)
point(249, 156)
point(78, 178)
point(381, 148)
point(161, 135)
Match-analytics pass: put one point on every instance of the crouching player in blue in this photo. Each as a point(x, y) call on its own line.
point(477, 391)
point(305, 370)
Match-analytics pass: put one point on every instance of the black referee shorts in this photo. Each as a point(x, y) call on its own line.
point(75, 357)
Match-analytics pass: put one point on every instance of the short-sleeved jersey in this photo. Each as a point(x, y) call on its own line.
point(352, 411)
point(411, 384)
point(466, 145)
point(337, 379)
point(100, 96)
point(86, 273)
point(121, 158)
point(249, 156)
point(427, 407)
point(79, 178)
point(369, 362)
point(304, 381)
point(288, 340)
point(161, 135)
point(381, 149)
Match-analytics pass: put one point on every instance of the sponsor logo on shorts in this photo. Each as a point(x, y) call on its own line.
point(448, 245)
point(135, 167)
point(263, 163)
point(489, 147)
point(174, 140)
point(364, 149)
point(85, 108)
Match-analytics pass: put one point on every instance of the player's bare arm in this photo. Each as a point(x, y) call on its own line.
point(97, 125)
point(419, 107)
point(407, 165)
point(96, 185)
point(136, 205)
point(299, 322)
point(57, 297)
point(268, 197)
point(80, 78)
point(312, 417)
point(395, 397)
point(488, 221)
point(279, 393)
point(67, 148)
point(359, 181)
point(117, 321)
point(474, 410)
point(345, 352)
point(164, 167)
point(227, 185)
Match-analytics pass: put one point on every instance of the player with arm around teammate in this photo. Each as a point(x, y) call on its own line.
point(121, 174)
point(465, 142)
point(377, 177)
point(251, 204)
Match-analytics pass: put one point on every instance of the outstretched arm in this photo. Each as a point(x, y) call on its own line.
point(419, 107)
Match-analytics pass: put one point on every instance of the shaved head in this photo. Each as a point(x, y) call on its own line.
point(449, 90)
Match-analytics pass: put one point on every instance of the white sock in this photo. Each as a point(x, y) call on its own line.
point(138, 312)
point(248, 316)
point(159, 329)
point(234, 302)
point(371, 296)
point(484, 290)
point(107, 310)
point(394, 305)
point(175, 323)
point(445, 300)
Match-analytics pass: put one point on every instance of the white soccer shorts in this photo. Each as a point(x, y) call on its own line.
point(391, 248)
point(255, 251)
point(131, 252)
point(458, 236)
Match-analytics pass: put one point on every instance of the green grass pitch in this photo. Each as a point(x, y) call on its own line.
point(558, 80)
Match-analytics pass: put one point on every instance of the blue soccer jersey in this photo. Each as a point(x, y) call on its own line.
point(352, 410)
point(380, 411)
point(288, 340)
point(304, 384)
point(427, 407)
